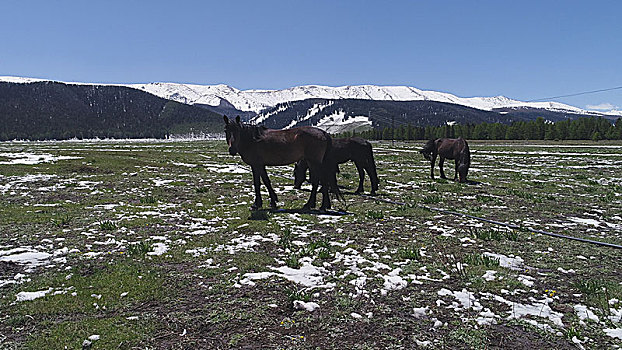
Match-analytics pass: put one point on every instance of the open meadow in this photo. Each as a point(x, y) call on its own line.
point(151, 244)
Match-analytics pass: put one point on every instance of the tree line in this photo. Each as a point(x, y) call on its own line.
point(592, 128)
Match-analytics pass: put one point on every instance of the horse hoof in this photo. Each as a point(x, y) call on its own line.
point(255, 207)
point(373, 193)
point(273, 206)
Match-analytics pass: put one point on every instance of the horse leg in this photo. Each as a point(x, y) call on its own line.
point(266, 181)
point(361, 170)
point(256, 184)
point(315, 180)
point(300, 173)
point(456, 169)
point(432, 162)
point(440, 165)
point(328, 179)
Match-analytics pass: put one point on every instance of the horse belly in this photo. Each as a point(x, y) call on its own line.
point(283, 155)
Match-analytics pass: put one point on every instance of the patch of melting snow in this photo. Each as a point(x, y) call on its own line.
point(613, 332)
point(307, 275)
point(309, 306)
point(539, 308)
point(27, 296)
point(246, 243)
point(185, 164)
point(25, 256)
point(585, 221)
point(159, 248)
point(32, 158)
point(489, 275)
point(393, 281)
point(225, 168)
point(583, 312)
point(466, 299)
point(512, 262)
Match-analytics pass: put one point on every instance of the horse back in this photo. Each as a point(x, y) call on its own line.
point(452, 148)
point(282, 147)
point(350, 148)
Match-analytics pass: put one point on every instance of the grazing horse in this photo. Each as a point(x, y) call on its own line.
point(259, 146)
point(355, 149)
point(456, 149)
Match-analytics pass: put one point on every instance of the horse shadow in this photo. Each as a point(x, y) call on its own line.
point(264, 214)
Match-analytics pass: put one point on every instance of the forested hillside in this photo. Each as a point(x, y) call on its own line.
point(387, 113)
point(52, 110)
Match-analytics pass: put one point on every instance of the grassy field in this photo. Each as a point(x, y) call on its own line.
point(151, 244)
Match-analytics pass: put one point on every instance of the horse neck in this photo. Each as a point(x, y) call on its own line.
point(248, 137)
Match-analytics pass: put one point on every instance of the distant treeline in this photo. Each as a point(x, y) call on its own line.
point(593, 128)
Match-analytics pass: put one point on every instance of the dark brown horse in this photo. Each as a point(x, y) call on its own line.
point(259, 146)
point(355, 149)
point(456, 149)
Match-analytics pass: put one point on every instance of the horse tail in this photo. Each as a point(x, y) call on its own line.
point(330, 168)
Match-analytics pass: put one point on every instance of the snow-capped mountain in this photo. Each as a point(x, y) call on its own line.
point(257, 100)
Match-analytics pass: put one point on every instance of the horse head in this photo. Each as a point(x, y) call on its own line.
point(232, 134)
point(427, 150)
point(425, 154)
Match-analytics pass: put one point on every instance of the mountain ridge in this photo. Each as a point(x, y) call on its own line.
point(257, 100)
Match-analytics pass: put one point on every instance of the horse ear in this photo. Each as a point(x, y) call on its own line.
point(237, 119)
point(226, 119)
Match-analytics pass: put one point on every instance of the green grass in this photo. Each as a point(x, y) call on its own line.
point(199, 284)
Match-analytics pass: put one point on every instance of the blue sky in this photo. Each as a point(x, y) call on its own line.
point(521, 49)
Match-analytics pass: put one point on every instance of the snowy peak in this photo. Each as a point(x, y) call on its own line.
point(258, 100)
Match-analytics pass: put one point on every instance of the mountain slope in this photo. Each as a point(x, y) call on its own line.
point(51, 110)
point(337, 116)
point(258, 100)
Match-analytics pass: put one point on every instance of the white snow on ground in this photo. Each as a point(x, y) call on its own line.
point(307, 275)
point(26, 296)
point(511, 262)
point(309, 306)
point(614, 332)
point(226, 168)
point(489, 275)
point(583, 312)
point(419, 312)
point(25, 256)
point(467, 299)
point(31, 158)
point(539, 308)
point(17, 182)
point(393, 281)
point(246, 243)
point(159, 248)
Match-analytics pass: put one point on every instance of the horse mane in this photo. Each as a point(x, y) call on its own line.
point(254, 132)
